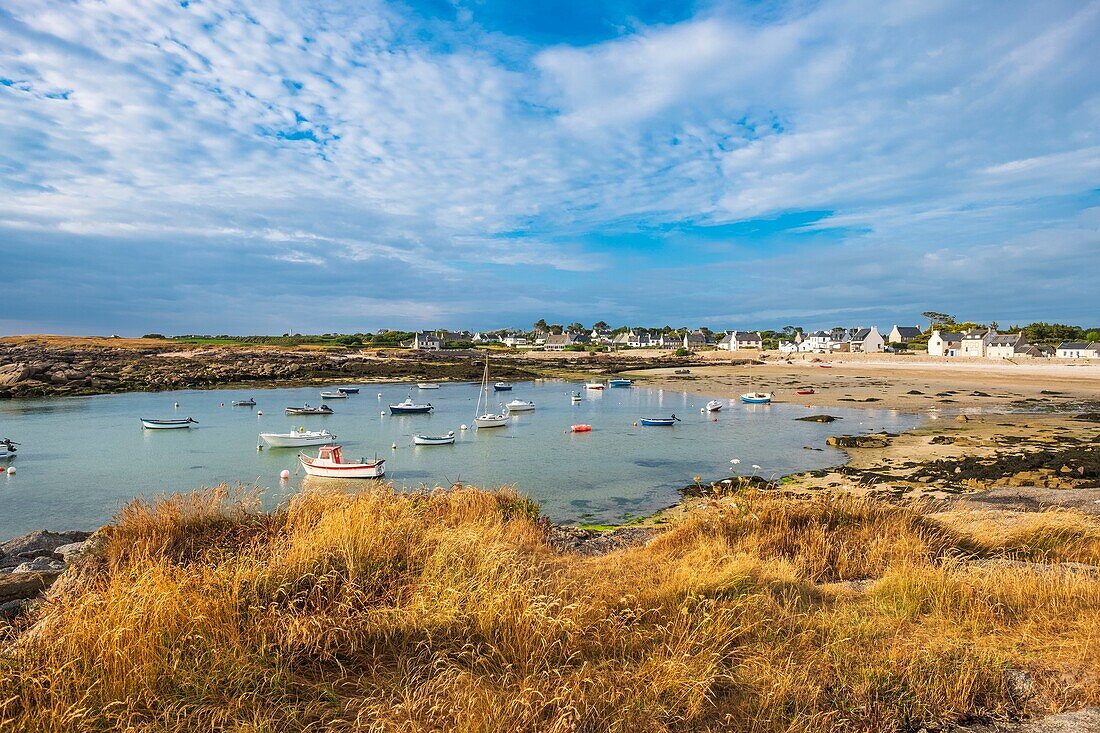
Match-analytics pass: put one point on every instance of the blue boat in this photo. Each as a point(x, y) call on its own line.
point(502, 387)
point(620, 382)
point(348, 390)
point(756, 398)
point(663, 422)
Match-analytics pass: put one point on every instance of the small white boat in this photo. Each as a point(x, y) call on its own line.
point(337, 395)
point(307, 410)
point(167, 424)
point(244, 403)
point(576, 397)
point(447, 439)
point(756, 398)
point(7, 448)
point(502, 387)
point(714, 406)
point(298, 439)
point(594, 385)
point(408, 407)
point(488, 419)
point(427, 385)
point(520, 406)
point(330, 464)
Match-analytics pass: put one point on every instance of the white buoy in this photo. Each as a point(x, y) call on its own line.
point(284, 474)
point(177, 405)
point(463, 427)
point(383, 413)
point(259, 413)
point(11, 470)
point(393, 447)
point(379, 395)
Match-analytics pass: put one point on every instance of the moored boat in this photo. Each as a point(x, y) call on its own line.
point(502, 387)
point(714, 406)
point(151, 424)
point(330, 464)
point(663, 422)
point(447, 439)
point(593, 385)
point(581, 428)
point(298, 438)
point(7, 448)
point(348, 390)
point(308, 410)
point(756, 398)
point(620, 382)
point(427, 385)
point(244, 403)
point(520, 406)
point(576, 397)
point(408, 407)
point(808, 390)
point(488, 419)
point(682, 371)
point(330, 395)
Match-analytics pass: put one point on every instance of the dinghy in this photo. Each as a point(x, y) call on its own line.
point(167, 424)
point(581, 428)
point(331, 464)
point(756, 398)
point(408, 407)
point(808, 390)
point(488, 419)
point(620, 382)
point(7, 448)
point(348, 390)
point(662, 422)
point(520, 406)
point(427, 385)
point(298, 439)
point(307, 410)
point(714, 406)
point(502, 387)
point(593, 385)
point(576, 397)
point(244, 403)
point(447, 439)
point(682, 371)
point(333, 396)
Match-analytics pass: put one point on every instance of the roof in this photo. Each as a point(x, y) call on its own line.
point(861, 334)
point(908, 330)
point(556, 339)
point(426, 336)
point(975, 333)
point(1006, 339)
point(748, 335)
point(950, 336)
point(1077, 345)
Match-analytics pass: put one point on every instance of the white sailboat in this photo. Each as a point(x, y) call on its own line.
point(487, 419)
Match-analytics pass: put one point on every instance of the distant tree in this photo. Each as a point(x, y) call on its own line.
point(789, 330)
point(993, 325)
point(941, 318)
point(576, 327)
point(153, 336)
point(540, 324)
point(600, 325)
point(1052, 333)
point(556, 328)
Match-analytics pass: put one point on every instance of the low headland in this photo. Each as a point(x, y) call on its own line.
point(947, 578)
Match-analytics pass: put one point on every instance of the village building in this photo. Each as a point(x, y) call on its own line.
point(515, 340)
point(1078, 350)
point(736, 340)
point(816, 342)
point(426, 341)
point(866, 340)
point(974, 342)
point(633, 339)
point(1005, 345)
point(944, 343)
point(696, 339)
point(558, 341)
point(903, 334)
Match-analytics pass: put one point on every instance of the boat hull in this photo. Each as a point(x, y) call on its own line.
point(502, 388)
point(491, 421)
point(658, 422)
point(300, 411)
point(166, 424)
point(244, 403)
point(593, 386)
point(345, 471)
point(714, 406)
point(348, 390)
point(297, 440)
point(447, 439)
point(581, 428)
point(333, 396)
point(424, 385)
point(749, 399)
point(410, 410)
point(620, 382)
point(520, 406)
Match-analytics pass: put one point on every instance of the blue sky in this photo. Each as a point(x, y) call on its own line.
point(262, 167)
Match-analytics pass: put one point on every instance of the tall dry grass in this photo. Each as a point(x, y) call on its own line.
point(447, 611)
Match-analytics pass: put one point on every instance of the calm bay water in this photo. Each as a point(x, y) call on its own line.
point(82, 458)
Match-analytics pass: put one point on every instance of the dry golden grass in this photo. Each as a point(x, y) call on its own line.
point(447, 611)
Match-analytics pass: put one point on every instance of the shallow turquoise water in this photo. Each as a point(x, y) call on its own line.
point(81, 458)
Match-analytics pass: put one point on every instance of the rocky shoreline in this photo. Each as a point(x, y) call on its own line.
point(30, 563)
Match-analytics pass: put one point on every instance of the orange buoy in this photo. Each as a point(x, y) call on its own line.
point(583, 428)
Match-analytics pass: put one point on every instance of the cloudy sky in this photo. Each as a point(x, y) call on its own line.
point(262, 167)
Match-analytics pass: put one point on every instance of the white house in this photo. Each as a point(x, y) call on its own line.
point(426, 341)
point(1005, 345)
point(816, 342)
point(974, 342)
point(601, 337)
point(1078, 350)
point(867, 340)
point(735, 340)
point(634, 339)
point(558, 341)
point(515, 340)
point(787, 347)
point(902, 334)
point(944, 343)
